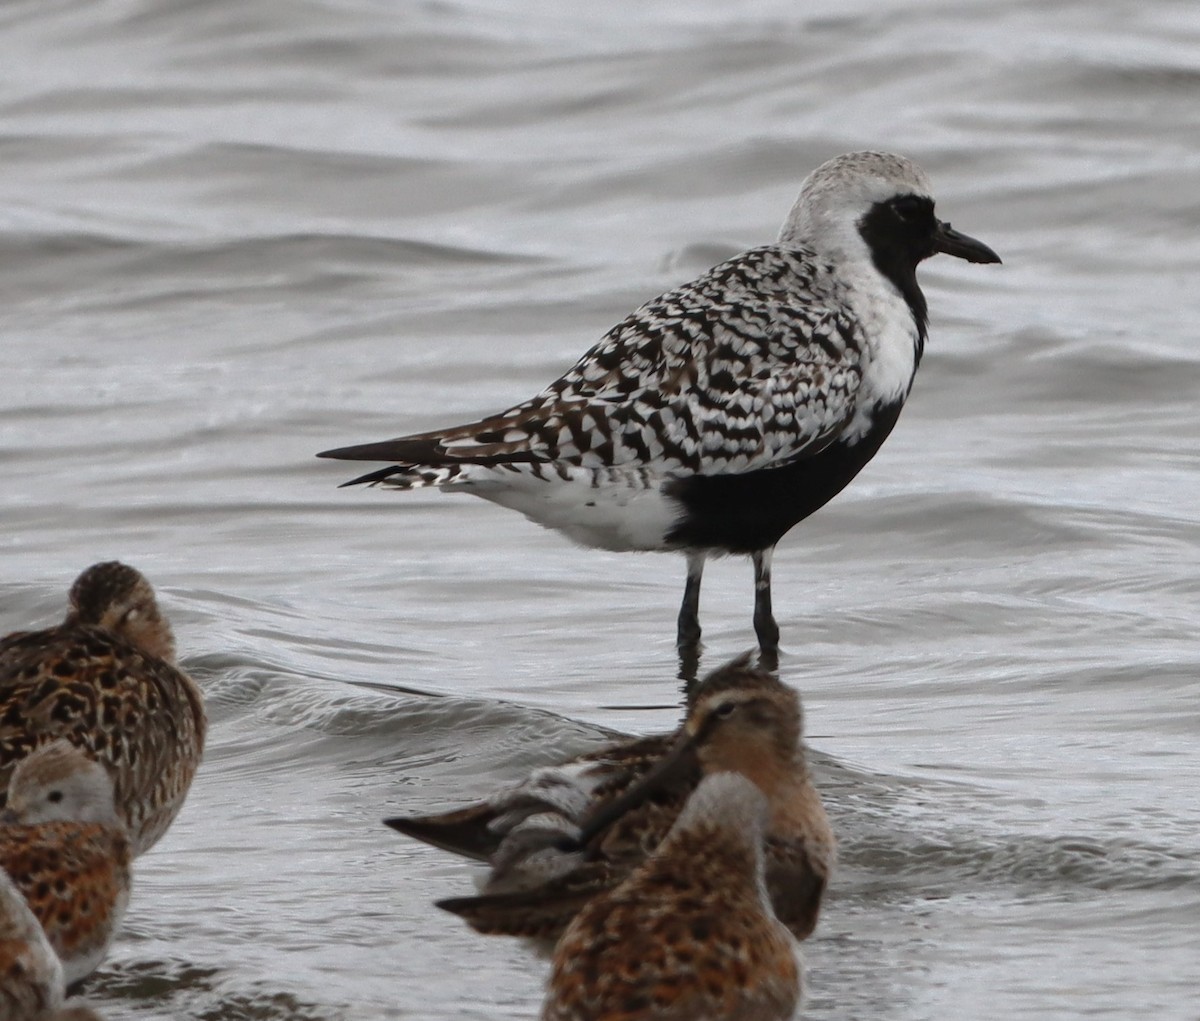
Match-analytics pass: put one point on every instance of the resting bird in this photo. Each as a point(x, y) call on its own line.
point(106, 680)
point(720, 414)
point(31, 976)
point(64, 847)
point(569, 833)
point(690, 935)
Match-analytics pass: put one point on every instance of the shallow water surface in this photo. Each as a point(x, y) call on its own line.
point(236, 234)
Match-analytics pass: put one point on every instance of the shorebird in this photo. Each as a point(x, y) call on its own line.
point(31, 975)
point(106, 680)
point(720, 414)
point(690, 934)
point(67, 851)
point(569, 833)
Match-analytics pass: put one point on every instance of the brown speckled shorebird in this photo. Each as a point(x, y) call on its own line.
point(569, 832)
point(106, 680)
point(64, 847)
point(31, 975)
point(690, 934)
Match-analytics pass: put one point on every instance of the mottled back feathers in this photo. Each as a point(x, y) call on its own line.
point(100, 680)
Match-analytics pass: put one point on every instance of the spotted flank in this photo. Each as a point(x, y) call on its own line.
point(568, 833)
point(32, 986)
point(744, 400)
point(68, 853)
point(31, 976)
point(689, 934)
point(106, 680)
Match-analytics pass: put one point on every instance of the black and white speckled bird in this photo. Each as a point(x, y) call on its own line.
point(720, 414)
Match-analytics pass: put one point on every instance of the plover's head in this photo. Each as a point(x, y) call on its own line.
point(118, 598)
point(58, 782)
point(876, 206)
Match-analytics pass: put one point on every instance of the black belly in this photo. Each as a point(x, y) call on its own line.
point(745, 513)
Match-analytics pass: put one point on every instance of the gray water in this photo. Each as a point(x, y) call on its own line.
point(233, 234)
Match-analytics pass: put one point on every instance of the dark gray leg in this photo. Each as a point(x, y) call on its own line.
point(764, 620)
point(687, 637)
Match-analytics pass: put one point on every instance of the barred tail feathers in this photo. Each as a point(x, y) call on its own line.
point(409, 476)
point(614, 508)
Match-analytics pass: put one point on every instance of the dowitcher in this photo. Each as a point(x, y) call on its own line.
point(690, 934)
point(66, 849)
point(31, 975)
point(566, 833)
point(722, 413)
point(106, 680)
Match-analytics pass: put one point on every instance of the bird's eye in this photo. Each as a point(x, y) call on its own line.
point(908, 207)
point(54, 797)
point(725, 710)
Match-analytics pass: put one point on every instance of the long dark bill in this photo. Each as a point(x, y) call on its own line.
point(962, 246)
point(676, 765)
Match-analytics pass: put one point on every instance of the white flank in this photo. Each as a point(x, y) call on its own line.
point(608, 508)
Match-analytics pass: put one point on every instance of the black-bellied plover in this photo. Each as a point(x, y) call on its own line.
point(106, 680)
point(720, 414)
point(568, 833)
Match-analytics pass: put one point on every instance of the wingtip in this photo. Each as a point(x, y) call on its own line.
point(418, 829)
point(462, 832)
point(532, 914)
point(359, 452)
point(372, 477)
point(455, 905)
point(384, 450)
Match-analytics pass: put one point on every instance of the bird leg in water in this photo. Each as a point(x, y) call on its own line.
point(687, 640)
point(764, 620)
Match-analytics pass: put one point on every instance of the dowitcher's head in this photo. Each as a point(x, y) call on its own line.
point(742, 719)
point(119, 599)
point(59, 782)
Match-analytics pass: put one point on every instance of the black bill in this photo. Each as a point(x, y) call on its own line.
point(962, 246)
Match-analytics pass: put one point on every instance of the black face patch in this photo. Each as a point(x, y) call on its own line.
point(900, 233)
